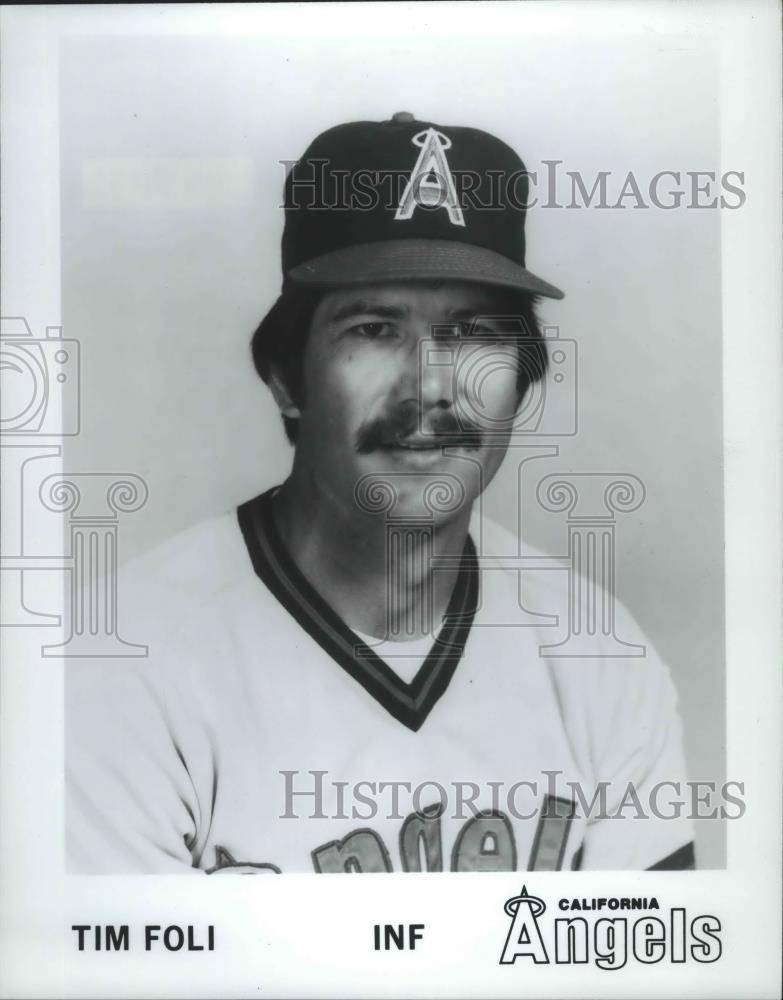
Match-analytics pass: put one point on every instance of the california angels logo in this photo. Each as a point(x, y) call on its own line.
point(609, 942)
point(430, 184)
point(524, 937)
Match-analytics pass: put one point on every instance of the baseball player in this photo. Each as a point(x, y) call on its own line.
point(343, 675)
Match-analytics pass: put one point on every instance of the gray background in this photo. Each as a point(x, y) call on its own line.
point(171, 184)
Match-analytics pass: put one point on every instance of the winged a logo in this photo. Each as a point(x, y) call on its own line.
point(431, 183)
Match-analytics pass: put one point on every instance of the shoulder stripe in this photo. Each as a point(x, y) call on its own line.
point(683, 859)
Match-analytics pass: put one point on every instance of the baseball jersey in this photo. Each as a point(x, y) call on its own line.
point(262, 735)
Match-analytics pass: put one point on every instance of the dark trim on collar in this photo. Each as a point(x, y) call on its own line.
point(410, 703)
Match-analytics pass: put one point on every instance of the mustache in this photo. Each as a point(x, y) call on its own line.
point(442, 429)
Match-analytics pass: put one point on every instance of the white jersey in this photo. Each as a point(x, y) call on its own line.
point(261, 735)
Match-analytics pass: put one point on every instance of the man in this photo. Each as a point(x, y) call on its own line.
point(343, 676)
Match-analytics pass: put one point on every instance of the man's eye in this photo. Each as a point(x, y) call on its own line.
point(467, 331)
point(371, 331)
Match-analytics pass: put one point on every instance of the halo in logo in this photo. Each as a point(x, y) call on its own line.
point(537, 905)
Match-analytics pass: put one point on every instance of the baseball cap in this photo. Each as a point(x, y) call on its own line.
point(405, 199)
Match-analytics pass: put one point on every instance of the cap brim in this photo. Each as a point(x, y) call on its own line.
point(409, 260)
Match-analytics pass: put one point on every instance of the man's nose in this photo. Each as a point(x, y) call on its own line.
point(431, 369)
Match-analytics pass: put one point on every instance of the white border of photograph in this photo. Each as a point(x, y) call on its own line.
point(308, 935)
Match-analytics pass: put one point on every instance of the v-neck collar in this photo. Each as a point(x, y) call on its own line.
point(409, 703)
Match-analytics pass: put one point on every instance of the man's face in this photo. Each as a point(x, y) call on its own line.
point(402, 384)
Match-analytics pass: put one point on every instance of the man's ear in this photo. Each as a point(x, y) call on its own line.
point(282, 394)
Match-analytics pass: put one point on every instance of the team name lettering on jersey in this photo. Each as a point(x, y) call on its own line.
point(484, 844)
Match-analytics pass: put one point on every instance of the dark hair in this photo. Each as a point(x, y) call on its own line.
point(280, 338)
point(279, 341)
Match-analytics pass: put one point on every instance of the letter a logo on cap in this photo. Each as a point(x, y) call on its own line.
point(430, 184)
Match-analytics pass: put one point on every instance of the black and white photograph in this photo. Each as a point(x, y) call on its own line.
point(387, 445)
point(347, 657)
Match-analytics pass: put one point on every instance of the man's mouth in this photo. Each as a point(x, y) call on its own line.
point(417, 444)
point(432, 443)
